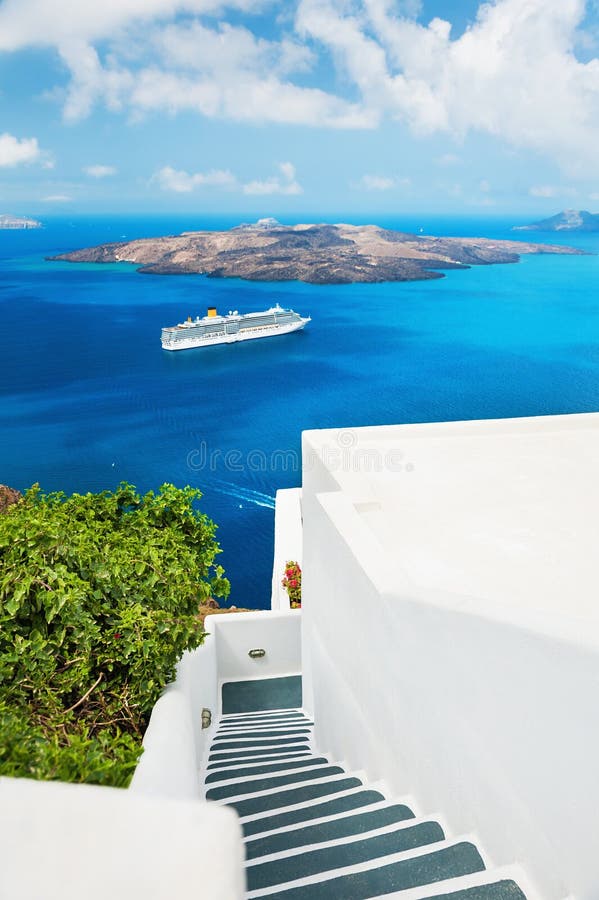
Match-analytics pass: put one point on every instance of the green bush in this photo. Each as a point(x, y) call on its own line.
point(99, 596)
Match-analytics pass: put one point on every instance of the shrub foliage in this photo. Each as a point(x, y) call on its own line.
point(99, 596)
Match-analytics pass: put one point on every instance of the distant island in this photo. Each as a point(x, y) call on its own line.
point(314, 253)
point(11, 222)
point(567, 220)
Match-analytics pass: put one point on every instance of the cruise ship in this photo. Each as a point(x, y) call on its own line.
point(214, 329)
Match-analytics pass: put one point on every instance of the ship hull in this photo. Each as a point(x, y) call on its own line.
point(247, 334)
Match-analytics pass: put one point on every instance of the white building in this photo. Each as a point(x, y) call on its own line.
point(449, 651)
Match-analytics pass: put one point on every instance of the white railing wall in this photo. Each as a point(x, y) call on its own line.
point(288, 541)
point(73, 841)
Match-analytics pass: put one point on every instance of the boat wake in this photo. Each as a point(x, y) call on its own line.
point(256, 498)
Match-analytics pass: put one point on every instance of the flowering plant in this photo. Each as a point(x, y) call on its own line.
point(292, 582)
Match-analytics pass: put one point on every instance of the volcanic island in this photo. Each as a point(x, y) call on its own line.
point(314, 253)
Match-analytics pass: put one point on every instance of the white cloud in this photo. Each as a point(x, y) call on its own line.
point(550, 190)
point(543, 190)
point(381, 182)
point(228, 50)
point(594, 195)
point(99, 171)
point(284, 183)
point(250, 99)
point(57, 198)
point(181, 182)
point(14, 151)
point(512, 74)
point(484, 186)
point(448, 159)
point(377, 183)
point(47, 22)
point(219, 71)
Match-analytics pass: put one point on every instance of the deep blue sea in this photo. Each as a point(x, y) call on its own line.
point(88, 398)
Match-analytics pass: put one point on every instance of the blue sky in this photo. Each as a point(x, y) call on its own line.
point(263, 107)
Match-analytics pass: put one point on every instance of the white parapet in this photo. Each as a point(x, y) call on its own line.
point(451, 626)
point(288, 541)
point(80, 842)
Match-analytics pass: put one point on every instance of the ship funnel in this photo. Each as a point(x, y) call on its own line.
point(211, 312)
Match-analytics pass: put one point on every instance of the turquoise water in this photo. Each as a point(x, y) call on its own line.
point(88, 398)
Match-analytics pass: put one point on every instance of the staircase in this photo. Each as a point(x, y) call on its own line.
point(316, 832)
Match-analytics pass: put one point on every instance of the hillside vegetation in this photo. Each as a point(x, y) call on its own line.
point(99, 597)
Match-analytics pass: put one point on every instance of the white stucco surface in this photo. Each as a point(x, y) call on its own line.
point(175, 742)
point(504, 510)
point(288, 541)
point(168, 766)
point(277, 633)
point(79, 842)
point(450, 625)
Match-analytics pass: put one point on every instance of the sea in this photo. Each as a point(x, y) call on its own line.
point(88, 398)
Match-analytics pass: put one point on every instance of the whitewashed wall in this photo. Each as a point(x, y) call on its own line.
point(175, 742)
point(81, 842)
point(278, 633)
point(492, 721)
point(288, 541)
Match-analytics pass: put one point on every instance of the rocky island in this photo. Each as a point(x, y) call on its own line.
point(567, 220)
point(12, 222)
point(318, 254)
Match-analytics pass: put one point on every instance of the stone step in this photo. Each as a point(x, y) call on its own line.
point(497, 890)
point(260, 741)
point(352, 800)
point(265, 768)
point(497, 884)
point(257, 759)
point(258, 751)
point(343, 853)
point(278, 800)
point(256, 718)
point(262, 695)
point(313, 831)
point(259, 785)
point(378, 880)
point(249, 730)
point(332, 829)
